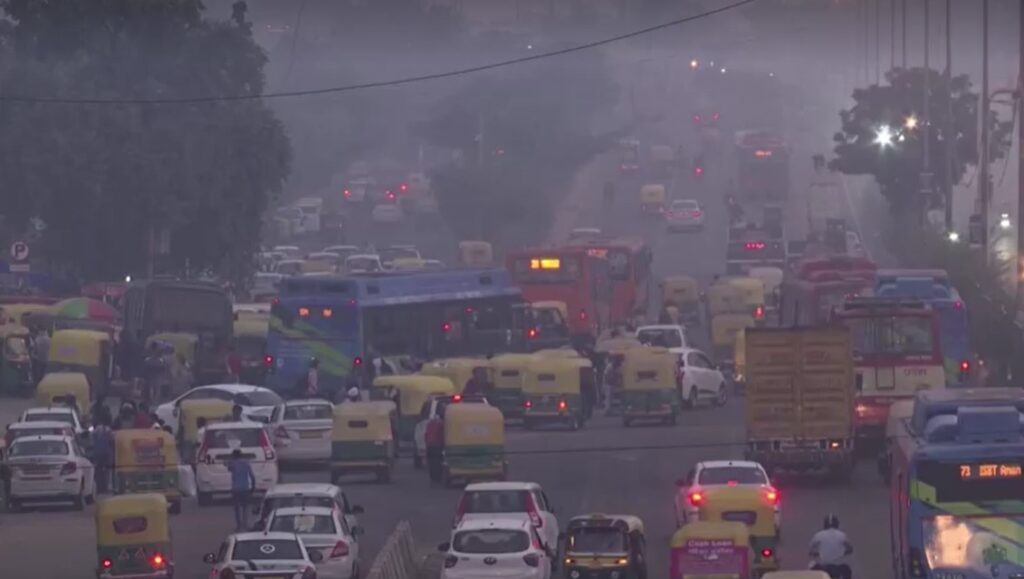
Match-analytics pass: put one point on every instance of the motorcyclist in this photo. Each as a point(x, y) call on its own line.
point(829, 549)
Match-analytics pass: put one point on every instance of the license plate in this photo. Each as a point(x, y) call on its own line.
point(311, 434)
point(35, 470)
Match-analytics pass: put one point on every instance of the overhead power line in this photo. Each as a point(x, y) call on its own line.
point(33, 99)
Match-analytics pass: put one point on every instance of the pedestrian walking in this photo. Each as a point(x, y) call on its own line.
point(243, 483)
point(233, 365)
point(313, 378)
point(434, 438)
point(102, 454)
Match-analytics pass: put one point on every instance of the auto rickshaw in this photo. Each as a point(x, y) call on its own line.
point(406, 264)
point(652, 199)
point(650, 388)
point(509, 374)
point(23, 314)
point(476, 253)
point(725, 298)
point(251, 344)
point(711, 550)
point(682, 292)
point(753, 507)
point(724, 328)
point(146, 461)
point(753, 296)
point(474, 443)
point(553, 394)
point(57, 387)
point(133, 537)
point(362, 440)
point(189, 414)
point(610, 354)
point(458, 370)
point(599, 544)
point(16, 361)
point(86, 351)
point(409, 392)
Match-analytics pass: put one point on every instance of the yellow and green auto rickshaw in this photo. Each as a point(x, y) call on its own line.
point(251, 344)
point(16, 361)
point(133, 537)
point(24, 314)
point(652, 199)
point(57, 388)
point(553, 393)
point(190, 414)
point(409, 392)
point(724, 328)
point(474, 443)
point(362, 440)
point(753, 506)
point(725, 298)
point(600, 545)
point(509, 374)
point(476, 253)
point(458, 370)
point(753, 292)
point(711, 550)
point(650, 388)
point(146, 461)
point(682, 292)
point(610, 353)
point(87, 351)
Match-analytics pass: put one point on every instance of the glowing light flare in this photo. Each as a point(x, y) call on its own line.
point(694, 63)
point(546, 263)
point(884, 136)
point(910, 122)
point(953, 237)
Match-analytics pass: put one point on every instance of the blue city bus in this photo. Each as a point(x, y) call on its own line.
point(343, 321)
point(933, 287)
point(956, 505)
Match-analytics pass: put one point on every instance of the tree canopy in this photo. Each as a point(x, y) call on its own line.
point(106, 179)
point(897, 168)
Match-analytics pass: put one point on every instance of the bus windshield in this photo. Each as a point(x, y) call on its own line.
point(910, 336)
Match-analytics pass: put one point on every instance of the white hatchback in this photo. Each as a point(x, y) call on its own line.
point(302, 430)
point(504, 547)
point(510, 500)
point(49, 468)
point(701, 380)
point(257, 402)
point(218, 442)
point(325, 530)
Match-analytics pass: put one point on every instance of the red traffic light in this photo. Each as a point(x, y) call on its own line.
point(696, 118)
point(755, 245)
point(698, 170)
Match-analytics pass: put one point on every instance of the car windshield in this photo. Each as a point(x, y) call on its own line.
point(307, 411)
point(491, 541)
point(259, 398)
point(495, 501)
point(267, 550)
point(597, 540)
point(39, 448)
point(304, 524)
point(660, 337)
point(721, 475)
point(49, 417)
point(232, 438)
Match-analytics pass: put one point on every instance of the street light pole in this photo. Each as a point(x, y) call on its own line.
point(1020, 162)
point(983, 153)
point(949, 139)
point(878, 42)
point(926, 116)
point(903, 35)
point(892, 34)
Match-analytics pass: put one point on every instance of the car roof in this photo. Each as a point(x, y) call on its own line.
point(265, 536)
point(307, 402)
point(47, 437)
point(234, 388)
point(355, 256)
point(37, 424)
point(661, 327)
point(727, 463)
point(312, 489)
point(243, 425)
point(322, 511)
point(503, 486)
point(499, 522)
point(49, 409)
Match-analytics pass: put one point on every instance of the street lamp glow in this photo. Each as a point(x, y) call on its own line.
point(723, 70)
point(910, 122)
point(694, 63)
point(1004, 221)
point(884, 136)
point(954, 236)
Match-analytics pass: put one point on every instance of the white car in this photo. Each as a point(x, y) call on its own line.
point(309, 495)
point(65, 414)
point(302, 430)
point(389, 254)
point(684, 214)
point(363, 263)
point(17, 430)
point(702, 381)
point(217, 442)
point(322, 529)
point(279, 555)
point(504, 547)
point(706, 476)
point(387, 213)
point(669, 336)
point(257, 402)
point(522, 500)
point(342, 250)
point(49, 467)
point(431, 407)
point(291, 251)
point(289, 267)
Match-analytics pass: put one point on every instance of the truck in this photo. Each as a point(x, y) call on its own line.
point(800, 391)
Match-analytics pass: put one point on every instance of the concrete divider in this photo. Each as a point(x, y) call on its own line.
point(399, 557)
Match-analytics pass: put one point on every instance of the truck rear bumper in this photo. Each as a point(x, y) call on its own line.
point(809, 456)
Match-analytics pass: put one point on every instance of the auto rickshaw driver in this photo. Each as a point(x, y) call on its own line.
point(605, 544)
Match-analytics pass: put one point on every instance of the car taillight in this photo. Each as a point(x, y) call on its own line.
point(460, 511)
point(340, 550)
point(268, 360)
point(698, 171)
point(759, 312)
point(965, 366)
point(767, 553)
point(531, 560)
point(583, 315)
point(268, 449)
point(696, 499)
point(450, 561)
point(157, 561)
point(68, 468)
point(528, 404)
point(696, 213)
point(106, 563)
point(357, 361)
point(347, 193)
point(457, 398)
point(281, 432)
point(532, 333)
point(531, 509)
point(773, 496)
point(562, 405)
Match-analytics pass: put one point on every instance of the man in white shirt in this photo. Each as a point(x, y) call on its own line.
point(829, 549)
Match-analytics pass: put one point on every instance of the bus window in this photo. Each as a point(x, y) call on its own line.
point(905, 336)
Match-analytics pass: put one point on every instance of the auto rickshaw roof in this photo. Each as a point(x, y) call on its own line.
point(151, 507)
point(81, 334)
point(133, 502)
point(459, 363)
point(558, 353)
point(632, 522)
point(369, 408)
point(426, 383)
point(511, 361)
point(736, 531)
point(63, 379)
point(471, 411)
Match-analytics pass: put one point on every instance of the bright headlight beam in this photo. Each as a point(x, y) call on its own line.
point(884, 136)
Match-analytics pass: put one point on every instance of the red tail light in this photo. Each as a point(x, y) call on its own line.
point(268, 449)
point(715, 116)
point(754, 245)
point(696, 213)
point(767, 553)
point(696, 499)
point(446, 327)
point(773, 496)
point(696, 118)
point(759, 312)
point(347, 193)
point(965, 366)
point(528, 404)
point(531, 509)
point(531, 560)
point(460, 511)
point(340, 550)
point(281, 432)
point(106, 563)
point(562, 405)
point(583, 315)
point(958, 305)
point(698, 171)
point(391, 195)
point(268, 360)
point(357, 361)
point(68, 468)
point(457, 398)
point(532, 333)
point(157, 561)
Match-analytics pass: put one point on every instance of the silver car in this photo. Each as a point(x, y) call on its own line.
point(684, 214)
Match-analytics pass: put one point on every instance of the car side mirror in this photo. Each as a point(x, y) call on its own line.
point(316, 556)
point(209, 558)
point(357, 509)
point(443, 547)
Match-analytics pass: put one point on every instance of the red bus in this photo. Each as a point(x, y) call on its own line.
point(571, 275)
point(629, 267)
point(821, 285)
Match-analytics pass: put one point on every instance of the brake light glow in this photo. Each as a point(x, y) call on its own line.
point(340, 550)
point(958, 305)
point(698, 171)
point(562, 405)
point(696, 118)
point(767, 553)
point(268, 449)
point(268, 360)
point(303, 312)
point(327, 312)
point(531, 509)
point(457, 398)
point(759, 312)
point(403, 187)
point(446, 327)
point(157, 561)
point(357, 361)
point(391, 195)
point(107, 563)
point(696, 499)
point(755, 245)
point(583, 315)
point(347, 193)
point(773, 496)
point(965, 366)
point(528, 404)
point(715, 116)
point(532, 333)
point(696, 213)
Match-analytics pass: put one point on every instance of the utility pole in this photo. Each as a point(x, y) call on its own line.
point(878, 42)
point(892, 34)
point(1020, 163)
point(865, 11)
point(926, 117)
point(949, 136)
point(903, 37)
point(983, 153)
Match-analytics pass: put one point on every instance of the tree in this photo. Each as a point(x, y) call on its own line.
point(106, 178)
point(897, 168)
